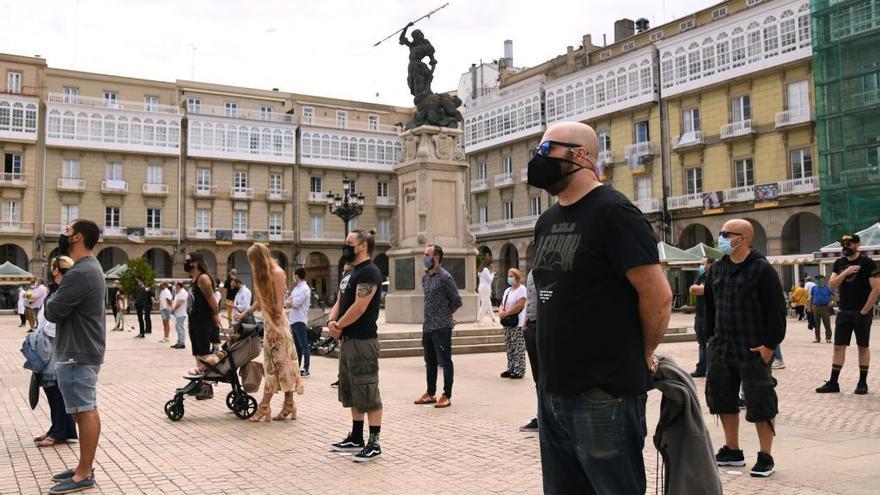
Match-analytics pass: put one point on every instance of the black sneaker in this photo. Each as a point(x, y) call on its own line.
point(730, 457)
point(829, 388)
point(764, 467)
point(698, 374)
point(335, 384)
point(531, 426)
point(371, 451)
point(505, 374)
point(861, 389)
point(348, 445)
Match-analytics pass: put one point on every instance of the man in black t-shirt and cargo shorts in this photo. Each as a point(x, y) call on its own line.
point(353, 321)
point(858, 279)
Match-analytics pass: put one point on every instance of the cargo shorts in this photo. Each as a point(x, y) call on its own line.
point(359, 374)
point(725, 373)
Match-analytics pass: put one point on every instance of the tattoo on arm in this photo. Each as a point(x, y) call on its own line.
point(365, 289)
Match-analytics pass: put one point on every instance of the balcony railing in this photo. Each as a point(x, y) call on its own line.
point(356, 125)
point(737, 129)
point(687, 201)
point(53, 229)
point(277, 195)
point(70, 184)
point(114, 186)
point(517, 223)
point(160, 233)
point(861, 175)
point(479, 185)
point(241, 192)
point(197, 233)
point(385, 201)
point(648, 205)
point(638, 154)
point(739, 194)
point(863, 99)
point(12, 180)
point(205, 191)
point(321, 237)
point(241, 113)
point(99, 102)
point(16, 227)
point(804, 185)
point(689, 139)
point(284, 235)
point(113, 231)
point(317, 198)
point(606, 157)
point(793, 117)
point(152, 189)
point(504, 180)
point(524, 175)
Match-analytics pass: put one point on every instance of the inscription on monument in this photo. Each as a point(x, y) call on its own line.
point(409, 194)
point(404, 274)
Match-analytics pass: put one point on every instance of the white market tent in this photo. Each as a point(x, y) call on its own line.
point(868, 238)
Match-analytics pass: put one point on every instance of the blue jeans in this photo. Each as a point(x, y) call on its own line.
point(777, 353)
point(301, 341)
point(179, 325)
point(592, 443)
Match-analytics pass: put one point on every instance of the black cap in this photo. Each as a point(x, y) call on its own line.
point(849, 238)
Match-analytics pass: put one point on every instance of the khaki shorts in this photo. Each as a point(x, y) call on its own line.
point(359, 374)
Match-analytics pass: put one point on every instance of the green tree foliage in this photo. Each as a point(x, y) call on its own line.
point(136, 268)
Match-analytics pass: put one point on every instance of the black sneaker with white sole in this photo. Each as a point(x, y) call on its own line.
point(371, 451)
point(730, 457)
point(348, 445)
point(531, 426)
point(764, 467)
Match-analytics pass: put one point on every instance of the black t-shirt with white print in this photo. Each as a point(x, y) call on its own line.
point(364, 273)
point(589, 330)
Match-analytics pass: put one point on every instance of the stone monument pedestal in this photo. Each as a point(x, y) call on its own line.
point(432, 179)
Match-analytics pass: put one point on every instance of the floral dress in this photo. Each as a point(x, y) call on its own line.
point(280, 359)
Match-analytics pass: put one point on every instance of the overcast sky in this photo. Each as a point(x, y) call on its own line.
point(319, 47)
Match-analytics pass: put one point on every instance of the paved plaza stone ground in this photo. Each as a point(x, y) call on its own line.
point(827, 444)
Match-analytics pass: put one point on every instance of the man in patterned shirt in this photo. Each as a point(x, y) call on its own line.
point(441, 301)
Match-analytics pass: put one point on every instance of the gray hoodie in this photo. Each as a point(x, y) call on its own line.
point(77, 309)
point(681, 436)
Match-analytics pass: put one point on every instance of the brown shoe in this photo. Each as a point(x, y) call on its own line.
point(443, 402)
point(425, 399)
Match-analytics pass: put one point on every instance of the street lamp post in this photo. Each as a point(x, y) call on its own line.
point(347, 205)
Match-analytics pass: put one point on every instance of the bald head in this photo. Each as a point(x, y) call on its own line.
point(740, 226)
point(574, 133)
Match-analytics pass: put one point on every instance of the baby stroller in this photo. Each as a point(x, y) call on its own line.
point(246, 346)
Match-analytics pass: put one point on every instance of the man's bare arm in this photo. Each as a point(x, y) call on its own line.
point(655, 304)
point(364, 294)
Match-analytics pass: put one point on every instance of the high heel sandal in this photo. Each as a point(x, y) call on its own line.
point(263, 411)
point(289, 409)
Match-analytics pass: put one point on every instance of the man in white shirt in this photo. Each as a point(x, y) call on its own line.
point(20, 306)
point(178, 307)
point(38, 295)
point(811, 321)
point(165, 302)
point(242, 298)
point(298, 302)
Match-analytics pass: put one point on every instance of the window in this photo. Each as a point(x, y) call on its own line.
point(801, 163)
point(690, 120)
point(741, 108)
point(194, 105)
point(275, 183)
point(744, 172)
point(70, 94)
point(481, 171)
point(642, 132)
point(112, 216)
point(719, 13)
point(693, 180)
point(154, 218)
point(788, 39)
point(12, 167)
point(203, 221)
point(382, 189)
point(316, 185)
point(657, 36)
point(709, 59)
point(629, 46)
point(373, 122)
point(308, 115)
point(69, 213)
point(507, 209)
point(684, 26)
point(113, 171)
point(506, 166)
point(341, 120)
point(738, 48)
point(771, 40)
point(239, 180)
point(203, 179)
point(723, 52)
point(604, 54)
point(643, 188)
point(484, 214)
point(13, 82)
point(239, 222)
point(154, 174)
point(798, 96)
point(352, 186)
point(11, 212)
point(604, 138)
point(275, 223)
point(70, 169)
point(110, 99)
point(265, 112)
point(151, 103)
point(681, 67)
point(383, 233)
point(316, 224)
point(749, 3)
point(535, 205)
point(231, 109)
point(754, 38)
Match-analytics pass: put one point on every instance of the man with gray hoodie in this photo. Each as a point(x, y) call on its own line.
point(77, 309)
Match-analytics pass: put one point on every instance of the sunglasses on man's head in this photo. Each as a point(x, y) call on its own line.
point(726, 234)
point(544, 148)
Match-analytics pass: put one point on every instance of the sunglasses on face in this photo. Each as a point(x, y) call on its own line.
point(726, 234)
point(544, 148)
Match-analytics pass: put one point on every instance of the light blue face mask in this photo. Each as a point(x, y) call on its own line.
point(701, 269)
point(724, 245)
point(428, 261)
point(510, 281)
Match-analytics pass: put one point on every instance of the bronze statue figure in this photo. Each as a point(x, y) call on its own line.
point(431, 108)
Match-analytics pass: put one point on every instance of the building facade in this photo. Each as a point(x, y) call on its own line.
point(700, 120)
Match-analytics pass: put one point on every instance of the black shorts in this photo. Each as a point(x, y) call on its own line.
point(201, 336)
point(849, 322)
point(723, 377)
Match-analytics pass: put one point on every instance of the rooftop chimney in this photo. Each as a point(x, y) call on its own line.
point(642, 25)
point(508, 52)
point(623, 29)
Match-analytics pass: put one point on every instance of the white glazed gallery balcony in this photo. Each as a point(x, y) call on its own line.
point(70, 184)
point(793, 117)
point(511, 224)
point(355, 125)
point(243, 135)
point(151, 189)
point(19, 116)
point(343, 148)
point(94, 123)
point(737, 129)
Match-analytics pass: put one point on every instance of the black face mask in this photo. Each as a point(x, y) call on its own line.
point(53, 286)
point(187, 265)
point(63, 245)
point(848, 251)
point(347, 253)
point(546, 173)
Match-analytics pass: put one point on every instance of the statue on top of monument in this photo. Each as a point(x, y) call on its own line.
point(431, 108)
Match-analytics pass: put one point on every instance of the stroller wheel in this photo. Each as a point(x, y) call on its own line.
point(245, 406)
point(174, 410)
point(230, 400)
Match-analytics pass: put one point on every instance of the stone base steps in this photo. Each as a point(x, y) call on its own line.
point(472, 341)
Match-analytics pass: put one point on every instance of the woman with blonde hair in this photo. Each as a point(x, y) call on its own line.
point(279, 353)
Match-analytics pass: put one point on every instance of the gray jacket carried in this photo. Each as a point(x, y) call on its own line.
point(681, 437)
